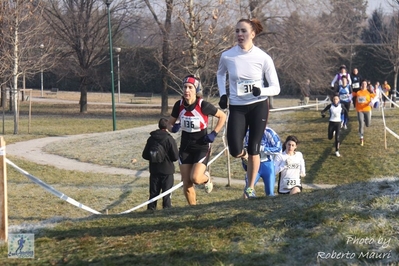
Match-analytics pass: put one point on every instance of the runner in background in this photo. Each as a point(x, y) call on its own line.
point(386, 88)
point(336, 110)
point(337, 80)
point(364, 102)
point(345, 97)
point(356, 78)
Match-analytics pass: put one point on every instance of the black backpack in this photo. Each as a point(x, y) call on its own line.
point(157, 152)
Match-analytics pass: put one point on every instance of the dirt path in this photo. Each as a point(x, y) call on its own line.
point(32, 150)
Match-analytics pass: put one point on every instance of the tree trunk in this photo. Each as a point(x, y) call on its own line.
point(23, 87)
point(165, 57)
point(83, 96)
point(164, 102)
point(10, 100)
point(3, 96)
point(14, 86)
point(164, 73)
point(395, 83)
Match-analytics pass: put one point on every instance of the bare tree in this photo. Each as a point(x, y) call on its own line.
point(81, 29)
point(308, 40)
point(165, 29)
point(382, 38)
point(205, 37)
point(22, 32)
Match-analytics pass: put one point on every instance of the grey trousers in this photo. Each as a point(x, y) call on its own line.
point(364, 119)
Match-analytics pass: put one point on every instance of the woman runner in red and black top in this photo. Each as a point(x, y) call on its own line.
point(193, 112)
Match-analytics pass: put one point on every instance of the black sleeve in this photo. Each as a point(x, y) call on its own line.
point(327, 107)
point(173, 151)
point(175, 110)
point(208, 108)
point(146, 152)
point(344, 110)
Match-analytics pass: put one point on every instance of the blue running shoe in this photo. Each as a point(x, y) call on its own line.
point(250, 192)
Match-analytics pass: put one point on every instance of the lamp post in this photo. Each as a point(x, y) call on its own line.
point(41, 68)
point(108, 3)
point(117, 51)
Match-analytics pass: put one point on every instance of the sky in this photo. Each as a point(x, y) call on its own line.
point(374, 4)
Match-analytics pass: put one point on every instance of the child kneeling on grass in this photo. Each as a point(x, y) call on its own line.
point(290, 166)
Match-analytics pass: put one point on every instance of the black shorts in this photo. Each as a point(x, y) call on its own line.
point(192, 156)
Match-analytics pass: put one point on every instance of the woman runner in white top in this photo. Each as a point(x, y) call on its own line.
point(291, 166)
point(336, 110)
point(247, 66)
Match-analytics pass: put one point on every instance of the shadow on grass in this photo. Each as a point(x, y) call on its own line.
point(127, 191)
point(279, 230)
point(328, 151)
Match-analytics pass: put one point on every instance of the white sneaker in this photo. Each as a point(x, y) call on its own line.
point(208, 185)
point(345, 127)
point(337, 154)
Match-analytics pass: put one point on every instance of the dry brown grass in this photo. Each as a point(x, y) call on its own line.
point(223, 229)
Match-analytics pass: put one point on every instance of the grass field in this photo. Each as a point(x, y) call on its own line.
point(353, 224)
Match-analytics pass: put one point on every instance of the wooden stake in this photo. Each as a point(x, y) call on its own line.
point(3, 192)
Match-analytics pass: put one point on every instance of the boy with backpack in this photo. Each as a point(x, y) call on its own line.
point(161, 151)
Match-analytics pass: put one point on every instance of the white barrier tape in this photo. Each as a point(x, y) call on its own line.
point(327, 100)
point(82, 206)
point(52, 190)
point(217, 156)
point(170, 190)
point(392, 102)
point(154, 199)
point(393, 133)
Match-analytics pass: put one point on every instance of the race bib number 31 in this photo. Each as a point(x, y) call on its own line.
point(244, 87)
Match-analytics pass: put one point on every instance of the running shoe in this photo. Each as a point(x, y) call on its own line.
point(345, 127)
point(208, 185)
point(250, 192)
point(361, 142)
point(337, 154)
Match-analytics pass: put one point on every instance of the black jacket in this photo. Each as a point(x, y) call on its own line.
point(166, 167)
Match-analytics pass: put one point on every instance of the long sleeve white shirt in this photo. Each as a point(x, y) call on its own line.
point(247, 69)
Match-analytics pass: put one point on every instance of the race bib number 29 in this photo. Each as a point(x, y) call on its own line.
point(244, 87)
